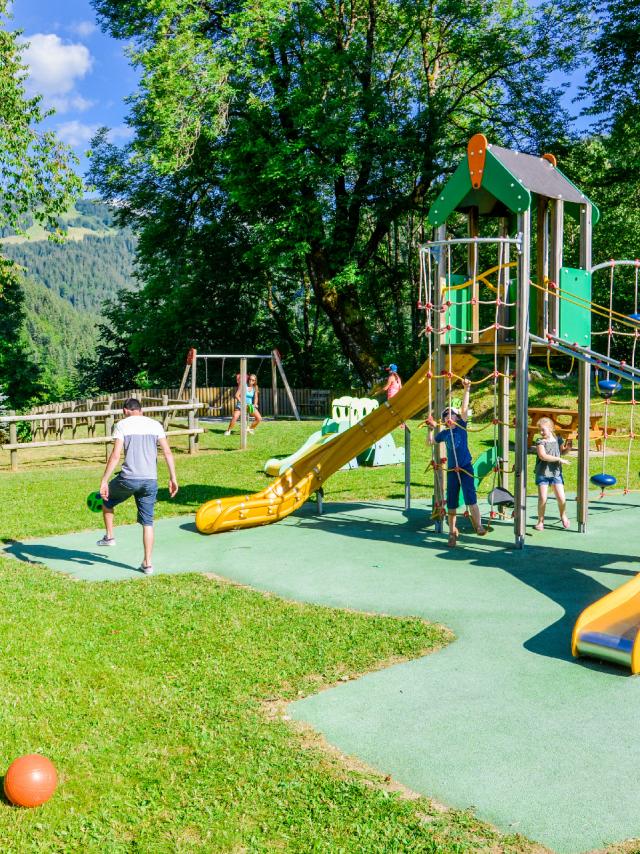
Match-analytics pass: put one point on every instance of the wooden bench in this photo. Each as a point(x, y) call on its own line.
point(319, 403)
point(565, 425)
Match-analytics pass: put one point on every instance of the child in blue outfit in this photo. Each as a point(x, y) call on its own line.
point(459, 465)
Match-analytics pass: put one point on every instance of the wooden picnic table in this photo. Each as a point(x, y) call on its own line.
point(565, 425)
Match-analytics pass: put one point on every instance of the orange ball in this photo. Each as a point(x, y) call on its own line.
point(30, 780)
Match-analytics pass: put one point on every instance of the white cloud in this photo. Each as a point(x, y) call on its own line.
point(84, 29)
point(120, 133)
point(54, 66)
point(74, 103)
point(77, 134)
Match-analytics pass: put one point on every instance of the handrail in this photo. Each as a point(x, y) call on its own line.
point(58, 416)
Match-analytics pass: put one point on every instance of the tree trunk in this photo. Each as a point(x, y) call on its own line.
point(347, 319)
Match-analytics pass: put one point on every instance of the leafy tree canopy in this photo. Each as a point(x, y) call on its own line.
point(310, 136)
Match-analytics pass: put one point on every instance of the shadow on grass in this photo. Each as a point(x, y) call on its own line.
point(41, 553)
point(194, 494)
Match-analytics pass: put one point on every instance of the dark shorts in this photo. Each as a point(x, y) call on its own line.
point(144, 492)
point(550, 481)
point(464, 479)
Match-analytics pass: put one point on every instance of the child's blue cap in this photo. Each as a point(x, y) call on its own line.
point(392, 367)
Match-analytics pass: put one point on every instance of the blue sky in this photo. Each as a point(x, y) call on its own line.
point(80, 72)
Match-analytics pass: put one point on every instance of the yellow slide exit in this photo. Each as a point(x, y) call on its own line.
point(610, 628)
point(307, 474)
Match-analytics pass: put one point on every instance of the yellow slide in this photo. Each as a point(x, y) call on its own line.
point(610, 628)
point(310, 472)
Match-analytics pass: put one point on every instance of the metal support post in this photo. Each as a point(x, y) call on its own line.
point(472, 265)
point(503, 428)
point(438, 366)
point(407, 467)
point(194, 376)
point(522, 378)
point(584, 386)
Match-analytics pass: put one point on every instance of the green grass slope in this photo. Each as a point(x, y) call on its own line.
point(159, 700)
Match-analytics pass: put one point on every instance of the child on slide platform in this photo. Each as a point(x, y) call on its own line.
point(548, 472)
point(459, 465)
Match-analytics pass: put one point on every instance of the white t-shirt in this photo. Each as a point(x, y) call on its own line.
point(140, 437)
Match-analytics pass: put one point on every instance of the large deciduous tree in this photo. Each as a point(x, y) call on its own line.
point(36, 178)
point(316, 130)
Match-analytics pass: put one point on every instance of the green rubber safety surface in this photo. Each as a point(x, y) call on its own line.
point(503, 719)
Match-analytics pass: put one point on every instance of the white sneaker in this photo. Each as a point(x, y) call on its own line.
point(227, 432)
point(148, 570)
point(250, 430)
point(106, 541)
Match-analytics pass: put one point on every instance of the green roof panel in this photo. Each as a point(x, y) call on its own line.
point(497, 181)
point(456, 188)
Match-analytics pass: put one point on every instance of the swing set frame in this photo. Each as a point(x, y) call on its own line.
point(190, 376)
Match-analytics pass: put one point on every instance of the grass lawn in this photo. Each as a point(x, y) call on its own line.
point(158, 700)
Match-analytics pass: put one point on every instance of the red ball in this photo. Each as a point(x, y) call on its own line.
point(30, 780)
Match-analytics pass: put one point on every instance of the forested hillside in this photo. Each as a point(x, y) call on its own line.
point(63, 288)
point(93, 264)
point(57, 335)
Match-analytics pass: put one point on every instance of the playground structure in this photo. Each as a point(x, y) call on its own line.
point(498, 187)
point(480, 301)
point(345, 412)
point(190, 375)
point(479, 287)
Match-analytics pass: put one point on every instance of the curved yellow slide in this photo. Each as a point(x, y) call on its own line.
point(610, 628)
point(310, 472)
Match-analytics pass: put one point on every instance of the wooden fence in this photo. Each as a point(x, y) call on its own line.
point(218, 401)
point(58, 421)
point(57, 424)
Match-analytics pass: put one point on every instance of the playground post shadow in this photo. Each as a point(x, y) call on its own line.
point(562, 573)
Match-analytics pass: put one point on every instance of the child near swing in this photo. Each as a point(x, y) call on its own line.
point(251, 396)
point(548, 472)
point(459, 465)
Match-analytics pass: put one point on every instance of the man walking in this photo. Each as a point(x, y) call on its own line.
point(140, 437)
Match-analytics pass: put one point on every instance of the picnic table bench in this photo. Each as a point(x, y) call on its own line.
point(565, 425)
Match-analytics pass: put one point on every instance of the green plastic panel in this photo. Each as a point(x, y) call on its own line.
point(504, 185)
point(483, 466)
point(451, 195)
point(496, 180)
point(459, 314)
point(575, 316)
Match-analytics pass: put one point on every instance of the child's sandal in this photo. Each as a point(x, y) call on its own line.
point(452, 542)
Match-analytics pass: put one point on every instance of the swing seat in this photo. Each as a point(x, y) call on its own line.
point(501, 498)
point(608, 387)
point(604, 480)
